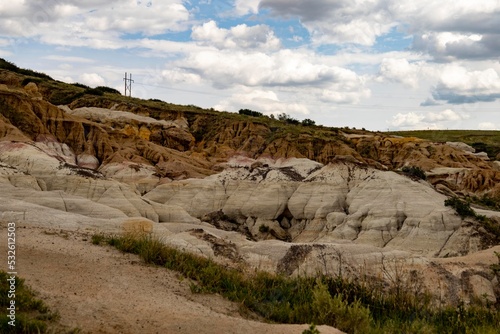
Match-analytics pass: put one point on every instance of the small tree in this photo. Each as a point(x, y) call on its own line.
point(308, 122)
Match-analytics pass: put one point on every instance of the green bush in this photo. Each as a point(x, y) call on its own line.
point(488, 201)
point(288, 119)
point(461, 207)
point(250, 113)
point(94, 91)
point(311, 330)
point(79, 85)
point(109, 90)
point(414, 171)
point(308, 122)
point(336, 311)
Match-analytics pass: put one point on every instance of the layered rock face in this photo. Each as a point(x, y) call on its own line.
point(238, 194)
point(303, 201)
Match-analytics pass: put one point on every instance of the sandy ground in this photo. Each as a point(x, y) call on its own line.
point(101, 290)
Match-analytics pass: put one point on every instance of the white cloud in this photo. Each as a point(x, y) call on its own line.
point(447, 29)
point(410, 119)
point(488, 126)
point(179, 76)
point(444, 116)
point(92, 79)
point(285, 67)
point(90, 19)
point(70, 59)
point(265, 101)
point(341, 21)
point(458, 85)
point(240, 36)
point(400, 70)
point(243, 7)
point(429, 120)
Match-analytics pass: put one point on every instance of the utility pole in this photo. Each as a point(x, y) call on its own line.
point(128, 84)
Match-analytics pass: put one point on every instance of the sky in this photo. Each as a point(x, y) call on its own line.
point(378, 64)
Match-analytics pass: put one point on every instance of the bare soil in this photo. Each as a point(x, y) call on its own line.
point(98, 289)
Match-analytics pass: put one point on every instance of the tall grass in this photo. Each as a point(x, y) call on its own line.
point(353, 306)
point(32, 315)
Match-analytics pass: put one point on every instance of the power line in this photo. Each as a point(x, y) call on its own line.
point(182, 89)
point(326, 104)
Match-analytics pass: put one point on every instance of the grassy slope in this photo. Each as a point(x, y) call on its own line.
point(354, 306)
point(482, 140)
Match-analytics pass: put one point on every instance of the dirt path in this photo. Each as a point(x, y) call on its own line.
point(100, 290)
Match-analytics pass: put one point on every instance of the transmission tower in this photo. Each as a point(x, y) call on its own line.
point(128, 84)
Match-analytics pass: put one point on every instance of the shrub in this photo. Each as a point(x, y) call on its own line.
point(462, 208)
point(308, 122)
point(414, 171)
point(109, 90)
point(488, 201)
point(79, 85)
point(311, 330)
point(250, 113)
point(288, 119)
point(94, 91)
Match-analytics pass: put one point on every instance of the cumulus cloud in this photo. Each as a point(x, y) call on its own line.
point(265, 101)
point(341, 21)
point(178, 76)
point(284, 68)
point(241, 36)
point(400, 70)
point(457, 85)
point(449, 46)
point(447, 29)
point(85, 19)
point(429, 120)
point(444, 116)
point(92, 79)
point(243, 7)
point(410, 119)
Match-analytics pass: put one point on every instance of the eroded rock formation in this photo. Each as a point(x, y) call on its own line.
point(282, 199)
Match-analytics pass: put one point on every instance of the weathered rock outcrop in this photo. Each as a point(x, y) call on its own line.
point(315, 203)
point(285, 199)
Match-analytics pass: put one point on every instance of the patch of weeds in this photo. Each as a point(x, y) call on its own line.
point(311, 330)
point(492, 203)
point(31, 315)
point(464, 210)
point(98, 239)
point(414, 172)
point(461, 207)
